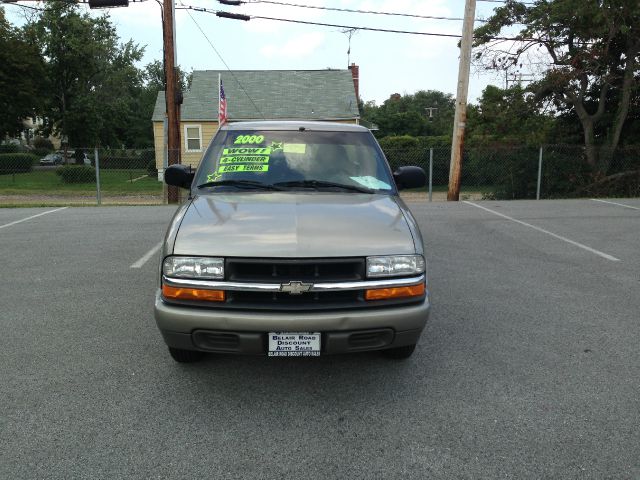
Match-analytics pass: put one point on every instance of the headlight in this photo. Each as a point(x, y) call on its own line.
point(395, 265)
point(194, 267)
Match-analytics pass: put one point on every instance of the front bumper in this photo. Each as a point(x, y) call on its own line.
point(192, 328)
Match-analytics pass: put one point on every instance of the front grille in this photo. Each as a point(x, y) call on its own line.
point(301, 270)
point(251, 270)
point(285, 301)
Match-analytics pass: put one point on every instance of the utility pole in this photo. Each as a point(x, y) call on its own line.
point(460, 118)
point(171, 95)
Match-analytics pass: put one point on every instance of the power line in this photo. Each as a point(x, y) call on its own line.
point(185, 7)
point(371, 29)
point(23, 6)
point(504, 1)
point(238, 16)
point(69, 2)
point(348, 10)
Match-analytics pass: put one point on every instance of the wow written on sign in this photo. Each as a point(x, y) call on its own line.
point(247, 151)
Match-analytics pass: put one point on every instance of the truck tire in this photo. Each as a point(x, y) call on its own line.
point(185, 356)
point(399, 352)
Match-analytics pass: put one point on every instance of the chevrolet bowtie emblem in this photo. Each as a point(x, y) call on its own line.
point(295, 288)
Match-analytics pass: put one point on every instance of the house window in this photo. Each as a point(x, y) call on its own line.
point(193, 138)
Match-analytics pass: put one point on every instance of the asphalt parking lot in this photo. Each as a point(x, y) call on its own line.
point(529, 367)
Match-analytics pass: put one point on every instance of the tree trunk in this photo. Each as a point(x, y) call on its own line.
point(589, 142)
point(625, 100)
point(589, 121)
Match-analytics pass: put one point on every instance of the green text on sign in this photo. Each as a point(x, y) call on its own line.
point(243, 168)
point(245, 159)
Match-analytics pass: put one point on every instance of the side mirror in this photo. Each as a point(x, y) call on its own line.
point(410, 177)
point(179, 176)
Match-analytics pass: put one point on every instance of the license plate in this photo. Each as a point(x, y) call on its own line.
point(294, 344)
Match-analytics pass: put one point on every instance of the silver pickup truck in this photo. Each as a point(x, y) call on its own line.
point(293, 242)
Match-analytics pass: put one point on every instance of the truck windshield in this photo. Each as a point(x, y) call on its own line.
point(295, 159)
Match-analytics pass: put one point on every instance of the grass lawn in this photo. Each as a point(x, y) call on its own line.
point(112, 182)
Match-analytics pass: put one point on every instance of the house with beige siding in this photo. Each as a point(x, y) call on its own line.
point(326, 95)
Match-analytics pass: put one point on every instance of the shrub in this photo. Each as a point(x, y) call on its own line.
point(16, 162)
point(40, 152)
point(77, 174)
point(148, 155)
point(10, 148)
point(407, 150)
point(398, 142)
point(407, 141)
point(108, 161)
point(41, 143)
point(511, 171)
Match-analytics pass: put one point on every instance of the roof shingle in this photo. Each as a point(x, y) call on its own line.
point(268, 94)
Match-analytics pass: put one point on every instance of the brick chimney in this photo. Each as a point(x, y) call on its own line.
point(355, 74)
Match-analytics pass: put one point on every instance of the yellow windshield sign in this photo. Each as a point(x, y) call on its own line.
point(294, 148)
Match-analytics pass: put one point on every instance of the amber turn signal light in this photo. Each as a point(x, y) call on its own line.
point(192, 294)
point(396, 292)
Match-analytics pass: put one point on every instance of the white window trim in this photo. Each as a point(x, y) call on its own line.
point(186, 139)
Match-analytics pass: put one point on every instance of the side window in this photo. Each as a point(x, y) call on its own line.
point(193, 138)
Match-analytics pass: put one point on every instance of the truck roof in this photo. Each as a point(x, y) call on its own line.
point(295, 125)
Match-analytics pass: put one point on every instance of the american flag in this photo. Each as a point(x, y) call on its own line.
point(222, 104)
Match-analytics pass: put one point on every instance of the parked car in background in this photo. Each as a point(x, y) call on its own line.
point(293, 242)
point(52, 159)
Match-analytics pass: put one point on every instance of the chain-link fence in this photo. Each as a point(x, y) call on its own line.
point(515, 172)
point(80, 176)
point(109, 176)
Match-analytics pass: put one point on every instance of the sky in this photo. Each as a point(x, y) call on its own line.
point(389, 63)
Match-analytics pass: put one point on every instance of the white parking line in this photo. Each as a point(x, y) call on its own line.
point(554, 235)
point(145, 258)
point(32, 216)
point(615, 203)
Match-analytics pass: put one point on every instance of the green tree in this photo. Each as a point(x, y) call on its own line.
point(93, 82)
point(21, 75)
point(592, 47)
point(508, 116)
point(154, 77)
point(426, 112)
point(140, 133)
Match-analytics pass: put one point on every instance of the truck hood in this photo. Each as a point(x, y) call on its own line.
point(293, 224)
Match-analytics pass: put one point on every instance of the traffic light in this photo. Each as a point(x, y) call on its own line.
point(108, 3)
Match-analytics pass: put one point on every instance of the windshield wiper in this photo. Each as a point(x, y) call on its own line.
point(322, 184)
point(240, 184)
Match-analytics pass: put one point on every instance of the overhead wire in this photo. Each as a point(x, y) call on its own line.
point(237, 16)
point(69, 2)
point(23, 6)
point(222, 60)
point(348, 10)
point(505, 1)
